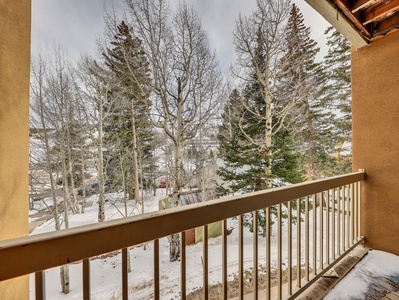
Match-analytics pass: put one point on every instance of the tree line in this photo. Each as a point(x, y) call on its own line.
point(145, 106)
point(291, 119)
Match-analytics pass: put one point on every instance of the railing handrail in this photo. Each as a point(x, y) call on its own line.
point(25, 255)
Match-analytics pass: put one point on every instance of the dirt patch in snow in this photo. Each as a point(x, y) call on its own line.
point(216, 291)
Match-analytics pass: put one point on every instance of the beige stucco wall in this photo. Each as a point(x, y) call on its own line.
point(15, 18)
point(375, 84)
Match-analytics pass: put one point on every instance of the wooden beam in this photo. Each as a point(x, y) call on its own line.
point(340, 22)
point(373, 14)
point(343, 5)
point(386, 25)
point(363, 4)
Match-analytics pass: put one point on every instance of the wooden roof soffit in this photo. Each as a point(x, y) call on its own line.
point(362, 4)
point(360, 21)
point(352, 29)
point(379, 12)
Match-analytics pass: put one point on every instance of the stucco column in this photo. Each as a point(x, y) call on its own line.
point(375, 107)
point(15, 22)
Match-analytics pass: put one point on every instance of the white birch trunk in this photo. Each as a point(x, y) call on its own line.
point(135, 158)
point(100, 164)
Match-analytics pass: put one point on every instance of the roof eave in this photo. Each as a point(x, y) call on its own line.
point(339, 21)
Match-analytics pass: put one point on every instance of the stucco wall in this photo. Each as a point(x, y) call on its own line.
point(15, 18)
point(375, 89)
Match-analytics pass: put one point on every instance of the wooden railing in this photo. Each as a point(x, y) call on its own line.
point(315, 224)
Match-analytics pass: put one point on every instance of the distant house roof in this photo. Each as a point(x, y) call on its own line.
point(186, 198)
point(190, 197)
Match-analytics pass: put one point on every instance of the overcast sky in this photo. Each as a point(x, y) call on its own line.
point(77, 24)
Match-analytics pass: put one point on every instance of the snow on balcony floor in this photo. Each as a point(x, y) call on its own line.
point(376, 276)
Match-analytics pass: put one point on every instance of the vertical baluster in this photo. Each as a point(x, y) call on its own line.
point(314, 235)
point(352, 215)
point(125, 253)
point(298, 242)
point(86, 278)
point(224, 259)
point(40, 285)
point(328, 235)
point(279, 251)
point(348, 216)
point(241, 255)
point(255, 254)
point(355, 213)
point(339, 221)
point(156, 270)
point(333, 216)
point(268, 253)
point(183, 265)
point(307, 244)
point(289, 244)
point(359, 205)
point(321, 226)
point(205, 254)
point(344, 219)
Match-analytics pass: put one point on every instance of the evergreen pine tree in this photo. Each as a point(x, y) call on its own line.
point(130, 129)
point(231, 148)
point(309, 120)
point(338, 96)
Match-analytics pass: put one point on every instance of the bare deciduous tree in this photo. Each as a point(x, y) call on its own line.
point(43, 87)
point(94, 93)
point(184, 72)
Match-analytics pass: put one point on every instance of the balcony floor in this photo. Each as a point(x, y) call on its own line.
point(363, 274)
point(376, 276)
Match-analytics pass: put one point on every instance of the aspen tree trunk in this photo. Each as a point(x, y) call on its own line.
point(125, 193)
point(124, 185)
point(268, 136)
point(65, 186)
point(142, 185)
point(101, 184)
point(82, 170)
point(73, 188)
point(73, 195)
point(203, 185)
point(48, 158)
point(268, 145)
point(202, 156)
point(64, 274)
point(125, 199)
point(83, 124)
point(142, 191)
point(135, 160)
point(64, 270)
point(177, 188)
point(100, 165)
